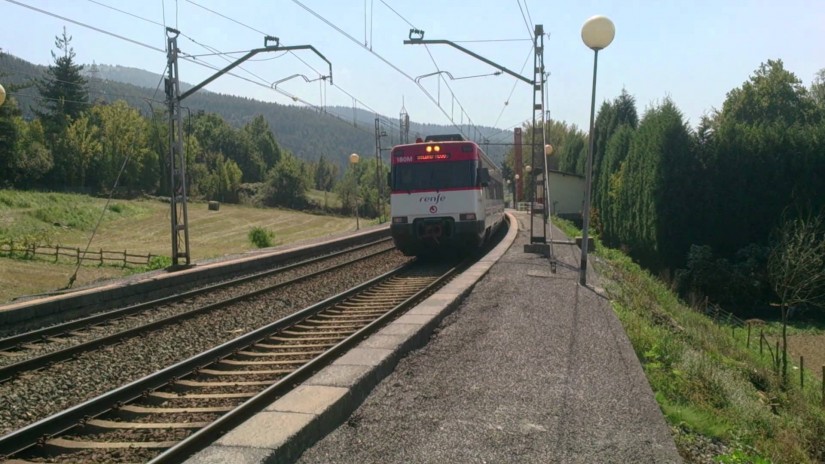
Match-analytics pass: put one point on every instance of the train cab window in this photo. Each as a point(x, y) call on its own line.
point(434, 176)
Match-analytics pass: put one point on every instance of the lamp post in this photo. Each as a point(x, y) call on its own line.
point(597, 34)
point(353, 160)
point(516, 192)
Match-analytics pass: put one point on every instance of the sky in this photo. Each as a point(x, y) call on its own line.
point(693, 51)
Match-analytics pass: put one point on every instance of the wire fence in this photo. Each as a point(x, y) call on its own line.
point(74, 255)
point(771, 347)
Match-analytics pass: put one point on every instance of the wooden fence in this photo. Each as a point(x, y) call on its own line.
point(76, 255)
point(721, 316)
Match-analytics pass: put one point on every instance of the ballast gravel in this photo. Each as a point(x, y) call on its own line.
point(40, 394)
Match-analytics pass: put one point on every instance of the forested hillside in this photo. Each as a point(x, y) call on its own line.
point(334, 133)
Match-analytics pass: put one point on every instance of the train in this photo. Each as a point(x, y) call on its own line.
point(447, 196)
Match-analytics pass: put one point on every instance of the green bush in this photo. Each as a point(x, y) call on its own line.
point(260, 237)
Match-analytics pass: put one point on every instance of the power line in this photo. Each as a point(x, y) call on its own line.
point(126, 12)
point(491, 40)
point(526, 24)
point(507, 102)
point(240, 23)
point(102, 31)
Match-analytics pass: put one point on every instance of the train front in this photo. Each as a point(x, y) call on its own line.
point(436, 200)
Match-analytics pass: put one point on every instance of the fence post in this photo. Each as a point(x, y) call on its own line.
point(101, 256)
point(56, 253)
point(77, 250)
point(761, 337)
point(802, 372)
point(748, 343)
point(124, 258)
point(777, 357)
point(823, 385)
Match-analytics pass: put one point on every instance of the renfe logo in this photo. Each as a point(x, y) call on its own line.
point(433, 199)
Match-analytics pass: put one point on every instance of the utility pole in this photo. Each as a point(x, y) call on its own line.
point(177, 157)
point(378, 163)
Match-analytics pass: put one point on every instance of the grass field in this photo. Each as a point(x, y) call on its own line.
point(138, 226)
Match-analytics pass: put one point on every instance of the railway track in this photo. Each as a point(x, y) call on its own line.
point(171, 414)
point(40, 348)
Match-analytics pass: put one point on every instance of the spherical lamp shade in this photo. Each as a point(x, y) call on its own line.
point(353, 158)
point(548, 149)
point(2, 95)
point(598, 32)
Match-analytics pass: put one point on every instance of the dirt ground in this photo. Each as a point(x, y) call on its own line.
point(812, 347)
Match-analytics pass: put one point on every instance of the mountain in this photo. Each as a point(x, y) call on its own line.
point(334, 132)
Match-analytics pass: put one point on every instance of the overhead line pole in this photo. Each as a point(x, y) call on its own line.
point(177, 158)
point(538, 244)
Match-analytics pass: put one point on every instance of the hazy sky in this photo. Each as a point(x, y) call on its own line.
point(694, 51)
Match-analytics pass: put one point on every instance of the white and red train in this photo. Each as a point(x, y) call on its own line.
point(447, 195)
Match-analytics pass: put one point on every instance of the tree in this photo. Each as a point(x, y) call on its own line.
point(63, 90)
point(124, 137)
point(83, 142)
point(796, 269)
point(818, 89)
point(286, 184)
point(765, 154)
point(772, 94)
point(263, 141)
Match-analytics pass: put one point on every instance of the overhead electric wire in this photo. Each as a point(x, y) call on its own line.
point(387, 62)
point(513, 89)
point(126, 13)
point(320, 74)
point(526, 24)
point(88, 26)
point(490, 40)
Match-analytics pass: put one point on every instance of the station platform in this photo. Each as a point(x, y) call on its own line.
point(509, 363)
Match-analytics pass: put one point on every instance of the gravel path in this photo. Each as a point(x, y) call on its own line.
point(28, 399)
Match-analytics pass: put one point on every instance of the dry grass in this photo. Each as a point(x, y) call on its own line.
point(812, 347)
point(146, 229)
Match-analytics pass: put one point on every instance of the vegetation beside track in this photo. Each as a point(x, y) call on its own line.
point(712, 388)
point(139, 226)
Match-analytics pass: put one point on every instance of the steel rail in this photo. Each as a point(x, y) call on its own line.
point(10, 371)
point(225, 423)
point(39, 432)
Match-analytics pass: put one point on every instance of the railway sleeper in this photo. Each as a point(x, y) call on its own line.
point(297, 344)
point(272, 354)
point(296, 338)
point(166, 396)
point(285, 362)
point(329, 326)
point(102, 426)
point(260, 373)
point(186, 385)
point(64, 445)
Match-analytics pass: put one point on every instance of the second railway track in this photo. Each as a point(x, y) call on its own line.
point(38, 348)
point(37, 394)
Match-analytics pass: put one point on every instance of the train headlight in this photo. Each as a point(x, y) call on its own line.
point(399, 219)
point(429, 148)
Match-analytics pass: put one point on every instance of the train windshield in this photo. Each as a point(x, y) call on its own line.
point(434, 176)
